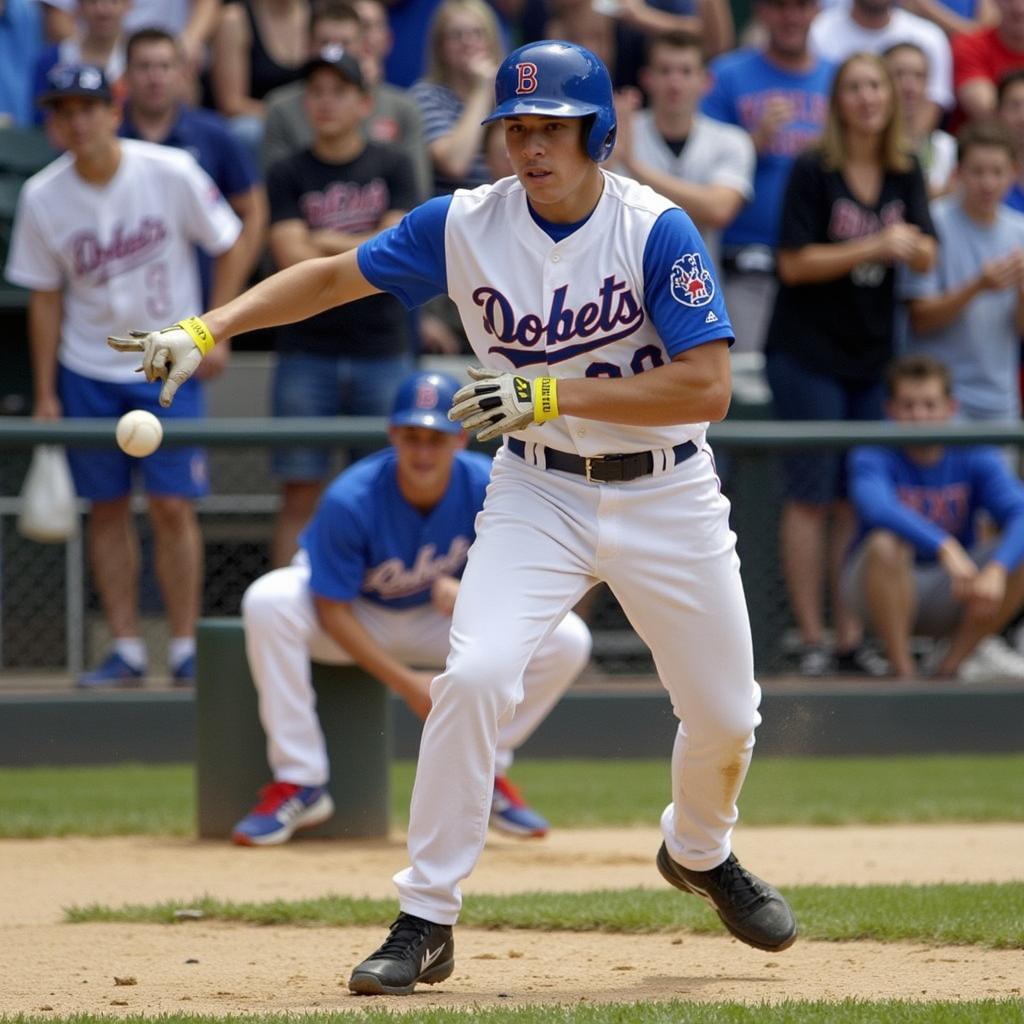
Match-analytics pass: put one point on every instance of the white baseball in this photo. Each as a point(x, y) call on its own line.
point(139, 433)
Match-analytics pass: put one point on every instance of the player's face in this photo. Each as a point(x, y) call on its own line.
point(154, 77)
point(674, 79)
point(1011, 110)
point(425, 458)
point(84, 127)
point(865, 98)
point(563, 184)
point(788, 23)
point(985, 175)
point(334, 106)
point(909, 69)
point(920, 401)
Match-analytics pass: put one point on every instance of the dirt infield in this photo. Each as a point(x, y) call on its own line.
point(200, 967)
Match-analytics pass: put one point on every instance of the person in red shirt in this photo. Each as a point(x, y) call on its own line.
point(980, 59)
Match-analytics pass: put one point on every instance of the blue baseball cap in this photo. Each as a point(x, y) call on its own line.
point(423, 400)
point(83, 80)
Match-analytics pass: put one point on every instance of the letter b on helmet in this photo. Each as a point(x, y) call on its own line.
point(558, 79)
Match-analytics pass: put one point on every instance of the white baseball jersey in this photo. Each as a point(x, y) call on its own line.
point(122, 253)
point(715, 154)
point(620, 294)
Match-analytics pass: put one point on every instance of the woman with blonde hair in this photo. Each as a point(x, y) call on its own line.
point(457, 92)
point(856, 207)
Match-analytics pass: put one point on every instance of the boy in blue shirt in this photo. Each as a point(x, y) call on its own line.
point(918, 567)
point(374, 583)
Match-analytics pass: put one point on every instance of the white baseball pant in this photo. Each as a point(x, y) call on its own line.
point(283, 634)
point(663, 545)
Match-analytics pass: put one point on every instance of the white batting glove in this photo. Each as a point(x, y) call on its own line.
point(170, 354)
point(501, 402)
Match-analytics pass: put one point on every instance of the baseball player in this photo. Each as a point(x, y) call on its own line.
point(104, 236)
point(374, 583)
point(605, 348)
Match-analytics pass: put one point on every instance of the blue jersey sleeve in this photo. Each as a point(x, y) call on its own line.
point(682, 296)
point(876, 499)
point(1002, 496)
point(408, 260)
point(334, 542)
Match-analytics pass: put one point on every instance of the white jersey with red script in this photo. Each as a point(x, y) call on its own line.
point(123, 254)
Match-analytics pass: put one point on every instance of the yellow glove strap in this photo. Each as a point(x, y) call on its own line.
point(545, 399)
point(198, 332)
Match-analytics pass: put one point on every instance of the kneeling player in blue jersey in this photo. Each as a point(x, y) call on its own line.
point(374, 583)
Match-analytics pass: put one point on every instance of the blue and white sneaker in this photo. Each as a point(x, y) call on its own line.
point(185, 673)
point(113, 671)
point(283, 809)
point(511, 814)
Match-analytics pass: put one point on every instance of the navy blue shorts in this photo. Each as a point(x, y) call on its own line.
point(105, 474)
point(310, 385)
point(818, 478)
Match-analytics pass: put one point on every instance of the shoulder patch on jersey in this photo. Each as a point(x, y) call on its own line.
point(711, 318)
point(692, 283)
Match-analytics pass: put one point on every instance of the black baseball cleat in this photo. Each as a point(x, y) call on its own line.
point(750, 908)
point(415, 951)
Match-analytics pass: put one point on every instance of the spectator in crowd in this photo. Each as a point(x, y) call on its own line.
point(704, 166)
point(710, 20)
point(323, 201)
point(376, 585)
point(855, 207)
point(779, 95)
point(191, 22)
point(918, 567)
point(982, 58)
point(104, 237)
point(956, 17)
point(457, 92)
point(935, 149)
point(155, 79)
point(1011, 110)
point(394, 116)
point(619, 44)
point(873, 26)
point(258, 46)
point(20, 42)
point(99, 41)
point(968, 310)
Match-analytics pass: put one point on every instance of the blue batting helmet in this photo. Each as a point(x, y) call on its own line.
point(558, 79)
point(423, 400)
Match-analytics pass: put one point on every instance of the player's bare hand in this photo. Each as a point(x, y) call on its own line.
point(443, 593)
point(47, 407)
point(416, 693)
point(987, 592)
point(496, 403)
point(959, 567)
point(169, 354)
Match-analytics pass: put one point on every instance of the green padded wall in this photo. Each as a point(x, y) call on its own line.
point(231, 757)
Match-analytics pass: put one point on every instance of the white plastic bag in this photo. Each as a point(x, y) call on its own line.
point(48, 513)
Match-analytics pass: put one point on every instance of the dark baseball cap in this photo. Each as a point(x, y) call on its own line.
point(423, 400)
point(339, 60)
point(84, 80)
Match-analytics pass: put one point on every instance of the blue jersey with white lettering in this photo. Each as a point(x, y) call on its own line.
point(622, 292)
point(365, 540)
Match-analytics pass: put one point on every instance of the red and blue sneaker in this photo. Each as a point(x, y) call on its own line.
point(283, 809)
point(113, 671)
point(511, 814)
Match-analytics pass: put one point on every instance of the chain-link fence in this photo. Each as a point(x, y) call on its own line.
point(49, 613)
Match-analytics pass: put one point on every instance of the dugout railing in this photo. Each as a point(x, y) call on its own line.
point(49, 617)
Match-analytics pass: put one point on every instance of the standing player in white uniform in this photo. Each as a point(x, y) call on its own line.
point(106, 235)
point(590, 301)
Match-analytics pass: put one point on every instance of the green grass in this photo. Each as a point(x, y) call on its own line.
point(160, 799)
point(986, 914)
point(984, 1011)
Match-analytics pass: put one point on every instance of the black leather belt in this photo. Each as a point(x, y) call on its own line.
point(604, 469)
